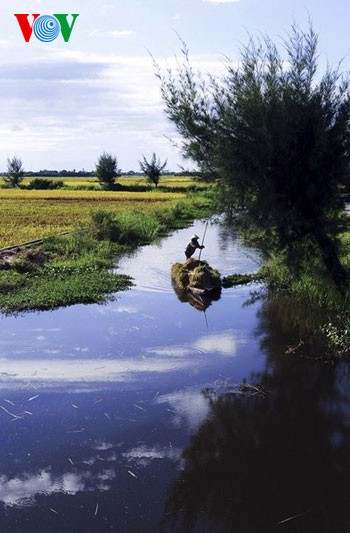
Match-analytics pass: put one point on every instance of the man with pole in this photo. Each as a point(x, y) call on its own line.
point(194, 244)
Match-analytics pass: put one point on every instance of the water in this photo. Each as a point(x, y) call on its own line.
point(129, 417)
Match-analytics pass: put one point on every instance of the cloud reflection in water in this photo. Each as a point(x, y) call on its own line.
point(189, 408)
point(61, 371)
point(225, 343)
point(143, 455)
point(70, 369)
point(22, 490)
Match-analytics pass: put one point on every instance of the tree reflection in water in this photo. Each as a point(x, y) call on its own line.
point(258, 460)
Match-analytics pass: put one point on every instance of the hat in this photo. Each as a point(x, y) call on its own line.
point(194, 236)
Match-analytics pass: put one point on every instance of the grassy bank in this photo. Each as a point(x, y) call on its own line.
point(79, 267)
point(312, 288)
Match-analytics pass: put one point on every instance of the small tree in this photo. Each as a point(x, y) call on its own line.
point(15, 171)
point(153, 169)
point(107, 170)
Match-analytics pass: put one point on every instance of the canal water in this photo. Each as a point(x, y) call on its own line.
point(152, 414)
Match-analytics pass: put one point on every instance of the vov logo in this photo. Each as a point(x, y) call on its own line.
point(46, 28)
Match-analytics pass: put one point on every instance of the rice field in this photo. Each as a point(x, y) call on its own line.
point(27, 215)
point(165, 181)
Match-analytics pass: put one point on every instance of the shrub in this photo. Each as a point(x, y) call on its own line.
point(45, 184)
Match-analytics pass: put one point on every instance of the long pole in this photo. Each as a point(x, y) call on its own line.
point(205, 232)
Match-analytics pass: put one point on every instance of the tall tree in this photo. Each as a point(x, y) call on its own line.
point(153, 168)
point(277, 134)
point(15, 171)
point(107, 170)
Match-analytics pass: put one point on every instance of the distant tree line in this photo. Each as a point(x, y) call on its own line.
point(106, 172)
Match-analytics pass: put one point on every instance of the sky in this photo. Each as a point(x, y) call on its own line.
point(64, 103)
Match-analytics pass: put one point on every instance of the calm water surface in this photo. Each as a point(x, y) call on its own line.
point(129, 416)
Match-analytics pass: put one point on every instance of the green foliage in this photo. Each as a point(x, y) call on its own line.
point(15, 172)
point(241, 279)
point(277, 134)
point(45, 184)
point(103, 226)
point(10, 281)
point(79, 272)
point(107, 170)
point(312, 289)
point(338, 337)
point(153, 168)
point(61, 288)
point(128, 228)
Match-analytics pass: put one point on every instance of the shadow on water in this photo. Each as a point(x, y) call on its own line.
point(271, 455)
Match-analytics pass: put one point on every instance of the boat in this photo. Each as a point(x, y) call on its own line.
point(196, 282)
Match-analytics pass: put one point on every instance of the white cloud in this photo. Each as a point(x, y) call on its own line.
point(84, 96)
point(111, 33)
point(221, 1)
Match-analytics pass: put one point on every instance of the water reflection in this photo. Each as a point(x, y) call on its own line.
point(201, 302)
point(22, 490)
point(67, 371)
point(260, 462)
point(143, 455)
point(224, 343)
point(188, 408)
point(120, 416)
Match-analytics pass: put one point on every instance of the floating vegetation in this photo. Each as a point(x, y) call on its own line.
point(241, 279)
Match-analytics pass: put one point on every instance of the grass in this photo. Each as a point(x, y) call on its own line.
point(47, 291)
point(78, 270)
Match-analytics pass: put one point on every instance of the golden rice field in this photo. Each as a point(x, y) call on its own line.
point(32, 214)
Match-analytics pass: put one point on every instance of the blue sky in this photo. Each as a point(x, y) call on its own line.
point(63, 104)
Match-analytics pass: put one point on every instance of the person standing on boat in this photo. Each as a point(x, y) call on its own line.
point(192, 246)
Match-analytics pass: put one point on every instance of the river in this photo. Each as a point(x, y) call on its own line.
point(146, 414)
